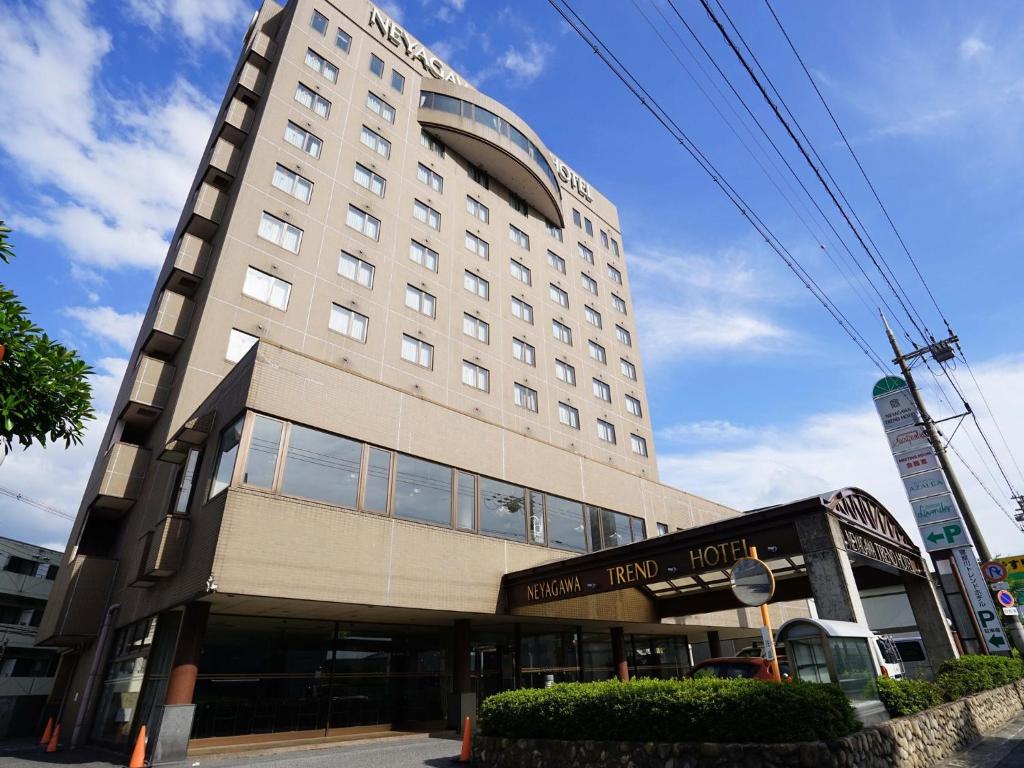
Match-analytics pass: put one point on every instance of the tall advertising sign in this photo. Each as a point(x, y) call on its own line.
point(935, 511)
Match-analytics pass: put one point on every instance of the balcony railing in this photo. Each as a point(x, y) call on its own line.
point(124, 469)
point(190, 262)
point(174, 314)
point(151, 387)
point(77, 606)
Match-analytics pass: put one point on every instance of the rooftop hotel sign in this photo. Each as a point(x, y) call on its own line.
point(413, 49)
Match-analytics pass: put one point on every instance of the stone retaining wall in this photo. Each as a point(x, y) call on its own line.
point(916, 741)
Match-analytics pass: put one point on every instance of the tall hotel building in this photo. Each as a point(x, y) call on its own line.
point(391, 357)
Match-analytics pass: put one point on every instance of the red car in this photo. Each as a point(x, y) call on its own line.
point(748, 667)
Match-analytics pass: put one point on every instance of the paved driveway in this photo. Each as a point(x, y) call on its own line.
point(414, 752)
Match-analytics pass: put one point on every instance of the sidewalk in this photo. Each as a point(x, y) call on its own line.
point(1002, 749)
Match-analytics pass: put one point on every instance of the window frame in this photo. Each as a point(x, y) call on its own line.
point(347, 335)
point(420, 345)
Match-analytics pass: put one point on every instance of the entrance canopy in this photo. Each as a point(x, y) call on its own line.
point(687, 572)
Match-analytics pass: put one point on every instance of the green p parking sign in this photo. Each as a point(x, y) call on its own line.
point(944, 535)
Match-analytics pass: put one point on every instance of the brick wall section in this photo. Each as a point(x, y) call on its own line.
point(917, 741)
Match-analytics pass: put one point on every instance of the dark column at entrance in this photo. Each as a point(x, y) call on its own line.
point(828, 569)
point(714, 645)
point(182, 681)
point(619, 654)
point(460, 673)
point(517, 655)
point(931, 622)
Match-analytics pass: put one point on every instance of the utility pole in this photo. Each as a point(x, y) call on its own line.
point(942, 351)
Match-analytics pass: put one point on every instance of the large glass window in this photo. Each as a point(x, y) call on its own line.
point(261, 463)
point(502, 509)
point(239, 343)
point(378, 480)
point(611, 529)
point(185, 483)
point(566, 525)
point(227, 455)
point(322, 466)
point(465, 515)
point(423, 491)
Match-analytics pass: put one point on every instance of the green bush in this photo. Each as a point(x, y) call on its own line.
point(905, 697)
point(671, 710)
point(973, 674)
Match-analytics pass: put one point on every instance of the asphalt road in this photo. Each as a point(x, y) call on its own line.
point(415, 752)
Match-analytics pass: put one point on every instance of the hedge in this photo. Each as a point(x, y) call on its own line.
point(671, 710)
point(973, 674)
point(905, 697)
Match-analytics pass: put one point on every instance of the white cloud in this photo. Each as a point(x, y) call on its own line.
point(711, 431)
point(110, 174)
point(525, 64)
point(198, 21)
point(109, 324)
point(668, 331)
point(972, 47)
point(54, 475)
point(448, 10)
point(825, 451)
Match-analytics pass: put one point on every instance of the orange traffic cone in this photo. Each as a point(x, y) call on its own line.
point(139, 753)
point(47, 732)
point(467, 743)
point(54, 739)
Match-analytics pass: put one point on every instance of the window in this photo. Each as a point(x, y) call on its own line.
point(633, 406)
point(589, 283)
point(423, 256)
point(319, 22)
point(355, 269)
point(426, 214)
point(478, 209)
point(381, 107)
point(348, 322)
point(585, 253)
point(318, 63)
point(628, 369)
point(363, 222)
point(280, 233)
point(619, 303)
point(227, 455)
point(604, 239)
point(519, 271)
point(569, 416)
point(475, 376)
point(266, 288)
point(418, 352)
point(518, 203)
point(638, 444)
point(558, 296)
point(465, 502)
point(376, 142)
point(343, 40)
point(555, 232)
point(476, 284)
point(423, 491)
point(312, 100)
point(615, 247)
point(523, 352)
point(623, 335)
point(432, 144)
point(378, 480)
point(479, 175)
point(597, 352)
point(421, 301)
point(662, 529)
point(525, 397)
point(502, 510)
point(297, 186)
point(518, 237)
point(566, 524)
point(397, 81)
point(478, 246)
point(606, 431)
point(565, 372)
point(611, 529)
point(522, 310)
point(302, 139)
point(561, 332)
point(576, 217)
point(556, 261)
point(429, 177)
point(614, 274)
point(185, 482)
point(593, 316)
point(322, 466)
point(477, 328)
point(376, 65)
point(239, 343)
point(602, 391)
point(588, 226)
point(364, 177)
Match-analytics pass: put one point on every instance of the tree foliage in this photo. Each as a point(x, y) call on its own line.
point(44, 387)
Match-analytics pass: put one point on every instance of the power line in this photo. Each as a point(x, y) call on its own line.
point(33, 503)
point(668, 123)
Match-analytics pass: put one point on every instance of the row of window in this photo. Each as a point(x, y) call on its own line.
point(587, 226)
point(294, 460)
point(343, 41)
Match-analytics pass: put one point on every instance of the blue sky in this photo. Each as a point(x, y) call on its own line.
point(757, 396)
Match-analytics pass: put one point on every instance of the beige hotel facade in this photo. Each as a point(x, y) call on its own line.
point(391, 357)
